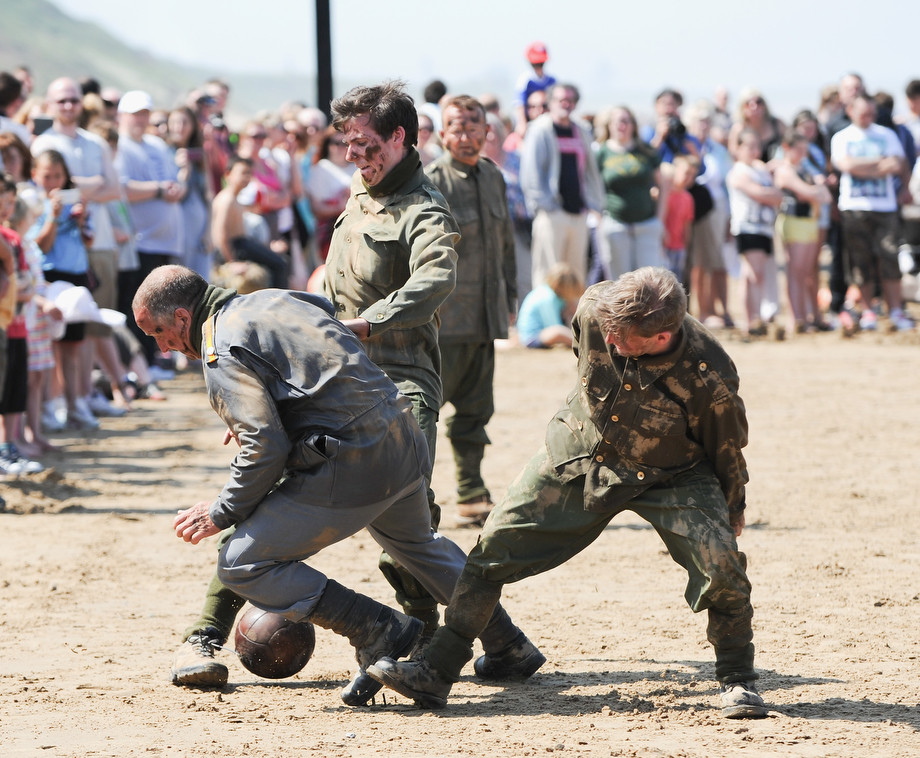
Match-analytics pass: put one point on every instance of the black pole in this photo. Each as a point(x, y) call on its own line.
point(323, 56)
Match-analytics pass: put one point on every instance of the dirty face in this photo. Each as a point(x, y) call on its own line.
point(635, 345)
point(373, 155)
point(464, 134)
point(170, 334)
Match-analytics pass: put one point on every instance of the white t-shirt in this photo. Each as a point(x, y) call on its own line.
point(747, 215)
point(866, 194)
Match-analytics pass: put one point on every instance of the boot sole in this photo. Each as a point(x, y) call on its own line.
point(213, 675)
point(424, 700)
point(745, 712)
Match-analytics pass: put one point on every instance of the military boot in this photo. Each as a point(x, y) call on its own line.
point(374, 630)
point(428, 679)
point(516, 662)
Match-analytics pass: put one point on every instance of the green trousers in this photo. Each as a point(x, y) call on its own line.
point(542, 523)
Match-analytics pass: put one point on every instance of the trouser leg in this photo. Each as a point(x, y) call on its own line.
point(692, 519)
point(468, 372)
point(415, 600)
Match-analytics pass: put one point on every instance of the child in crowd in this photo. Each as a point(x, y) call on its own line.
point(41, 315)
point(545, 315)
point(16, 382)
point(61, 231)
point(678, 215)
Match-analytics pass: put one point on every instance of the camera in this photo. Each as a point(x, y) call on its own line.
point(676, 128)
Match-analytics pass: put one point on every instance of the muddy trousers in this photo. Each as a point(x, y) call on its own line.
point(542, 523)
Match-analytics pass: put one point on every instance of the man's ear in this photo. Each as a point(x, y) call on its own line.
point(399, 135)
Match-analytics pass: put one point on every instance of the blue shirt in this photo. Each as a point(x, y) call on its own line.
point(541, 308)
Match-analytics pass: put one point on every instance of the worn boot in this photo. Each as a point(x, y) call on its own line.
point(195, 666)
point(428, 679)
point(374, 630)
point(740, 700)
point(516, 662)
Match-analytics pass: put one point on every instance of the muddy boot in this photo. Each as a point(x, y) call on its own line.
point(516, 662)
point(374, 630)
point(195, 666)
point(427, 680)
point(362, 688)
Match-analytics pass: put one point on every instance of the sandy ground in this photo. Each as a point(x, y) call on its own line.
point(95, 590)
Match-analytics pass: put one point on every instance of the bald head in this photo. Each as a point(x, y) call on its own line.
point(65, 102)
point(167, 288)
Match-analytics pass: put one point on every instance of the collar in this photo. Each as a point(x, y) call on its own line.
point(464, 169)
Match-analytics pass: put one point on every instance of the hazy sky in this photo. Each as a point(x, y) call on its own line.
point(617, 52)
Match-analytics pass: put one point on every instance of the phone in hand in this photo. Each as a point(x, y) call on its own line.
point(69, 196)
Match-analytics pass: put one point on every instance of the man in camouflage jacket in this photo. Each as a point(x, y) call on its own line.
point(654, 425)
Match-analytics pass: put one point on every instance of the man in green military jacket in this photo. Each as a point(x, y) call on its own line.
point(484, 300)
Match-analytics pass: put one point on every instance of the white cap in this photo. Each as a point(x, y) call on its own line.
point(134, 101)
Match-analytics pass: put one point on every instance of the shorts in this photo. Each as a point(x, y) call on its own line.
point(870, 243)
point(705, 251)
point(75, 332)
point(754, 242)
point(796, 229)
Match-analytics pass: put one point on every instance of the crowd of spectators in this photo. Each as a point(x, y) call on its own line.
point(101, 186)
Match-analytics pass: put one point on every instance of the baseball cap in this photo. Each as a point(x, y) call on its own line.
point(536, 53)
point(134, 101)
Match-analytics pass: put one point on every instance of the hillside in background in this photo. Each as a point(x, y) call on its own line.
point(52, 44)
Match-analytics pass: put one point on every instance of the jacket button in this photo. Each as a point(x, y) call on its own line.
point(614, 417)
point(640, 476)
point(703, 366)
point(627, 387)
point(599, 458)
point(584, 381)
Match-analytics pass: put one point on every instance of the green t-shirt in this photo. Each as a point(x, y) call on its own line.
point(628, 179)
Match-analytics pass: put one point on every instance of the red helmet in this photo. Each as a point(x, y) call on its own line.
point(536, 53)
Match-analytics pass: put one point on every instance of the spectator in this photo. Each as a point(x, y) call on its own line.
point(912, 119)
point(707, 253)
point(148, 173)
point(328, 187)
point(534, 80)
point(11, 98)
point(753, 200)
point(754, 114)
point(545, 317)
point(510, 165)
point(229, 230)
point(669, 134)
point(561, 184)
point(61, 231)
point(428, 147)
point(630, 231)
point(797, 225)
point(536, 106)
point(267, 194)
point(869, 158)
point(187, 144)
point(679, 213)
